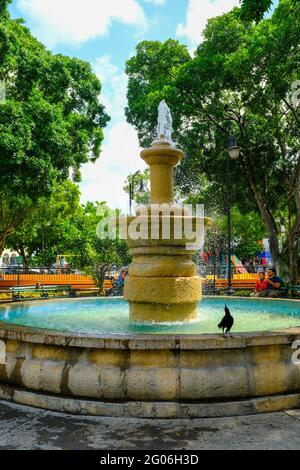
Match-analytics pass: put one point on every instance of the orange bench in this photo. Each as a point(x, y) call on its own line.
point(236, 284)
point(92, 287)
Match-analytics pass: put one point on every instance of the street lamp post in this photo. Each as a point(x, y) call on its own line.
point(43, 246)
point(233, 152)
point(132, 185)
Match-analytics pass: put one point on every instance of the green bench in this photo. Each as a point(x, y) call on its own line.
point(284, 291)
point(42, 290)
point(45, 290)
point(295, 291)
point(17, 291)
point(287, 288)
point(209, 289)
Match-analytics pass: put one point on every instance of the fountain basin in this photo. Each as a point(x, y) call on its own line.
point(151, 375)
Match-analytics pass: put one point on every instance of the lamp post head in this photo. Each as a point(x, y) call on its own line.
point(142, 189)
point(233, 148)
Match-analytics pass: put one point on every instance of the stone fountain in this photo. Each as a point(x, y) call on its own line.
point(163, 284)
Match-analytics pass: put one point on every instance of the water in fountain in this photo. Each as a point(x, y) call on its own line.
point(110, 316)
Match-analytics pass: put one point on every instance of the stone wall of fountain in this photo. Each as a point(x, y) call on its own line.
point(153, 376)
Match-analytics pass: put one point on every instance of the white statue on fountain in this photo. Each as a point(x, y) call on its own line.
point(165, 122)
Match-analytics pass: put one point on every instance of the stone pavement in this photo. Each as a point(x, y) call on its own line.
point(22, 427)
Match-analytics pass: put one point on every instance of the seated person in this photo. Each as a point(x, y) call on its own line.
point(121, 279)
point(274, 283)
point(260, 286)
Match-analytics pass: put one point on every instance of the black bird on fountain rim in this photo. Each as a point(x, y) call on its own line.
point(226, 322)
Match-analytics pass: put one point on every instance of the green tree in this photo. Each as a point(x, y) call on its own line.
point(3, 8)
point(91, 253)
point(61, 225)
point(48, 227)
point(215, 245)
point(152, 73)
point(254, 10)
point(50, 122)
point(247, 231)
point(233, 81)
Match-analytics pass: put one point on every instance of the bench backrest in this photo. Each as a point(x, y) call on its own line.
point(23, 288)
point(45, 288)
point(38, 289)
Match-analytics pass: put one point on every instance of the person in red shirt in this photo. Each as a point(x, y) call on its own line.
point(260, 286)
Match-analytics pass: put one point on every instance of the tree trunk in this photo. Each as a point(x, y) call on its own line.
point(289, 259)
point(3, 237)
point(294, 235)
point(2, 242)
point(286, 260)
point(100, 279)
point(22, 252)
point(270, 225)
point(294, 265)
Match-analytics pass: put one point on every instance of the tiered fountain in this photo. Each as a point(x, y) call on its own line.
point(163, 284)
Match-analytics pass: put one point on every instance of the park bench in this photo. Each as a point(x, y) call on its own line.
point(284, 290)
point(92, 288)
point(210, 289)
point(88, 292)
point(45, 290)
point(249, 285)
point(295, 291)
point(4, 291)
point(17, 291)
point(42, 290)
point(246, 285)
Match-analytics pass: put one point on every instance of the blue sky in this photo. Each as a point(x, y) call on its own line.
point(105, 33)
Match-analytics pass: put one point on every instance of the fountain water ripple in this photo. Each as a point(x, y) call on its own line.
point(110, 316)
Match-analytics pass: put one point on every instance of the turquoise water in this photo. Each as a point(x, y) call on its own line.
point(110, 316)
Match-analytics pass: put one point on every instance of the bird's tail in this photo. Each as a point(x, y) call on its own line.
point(227, 311)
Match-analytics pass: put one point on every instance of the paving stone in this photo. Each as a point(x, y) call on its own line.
point(23, 427)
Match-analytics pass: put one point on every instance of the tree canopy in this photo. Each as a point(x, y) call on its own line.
point(254, 10)
point(48, 227)
point(51, 120)
point(240, 79)
point(60, 225)
point(91, 253)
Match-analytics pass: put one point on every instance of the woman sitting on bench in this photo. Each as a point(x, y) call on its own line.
point(260, 286)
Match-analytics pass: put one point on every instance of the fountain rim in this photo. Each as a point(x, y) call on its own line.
point(50, 337)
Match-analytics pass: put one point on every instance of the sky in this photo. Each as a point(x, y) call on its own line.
point(105, 33)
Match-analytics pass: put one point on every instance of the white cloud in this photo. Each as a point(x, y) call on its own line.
point(104, 68)
point(104, 180)
point(114, 85)
point(198, 12)
point(77, 21)
point(116, 101)
point(156, 2)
